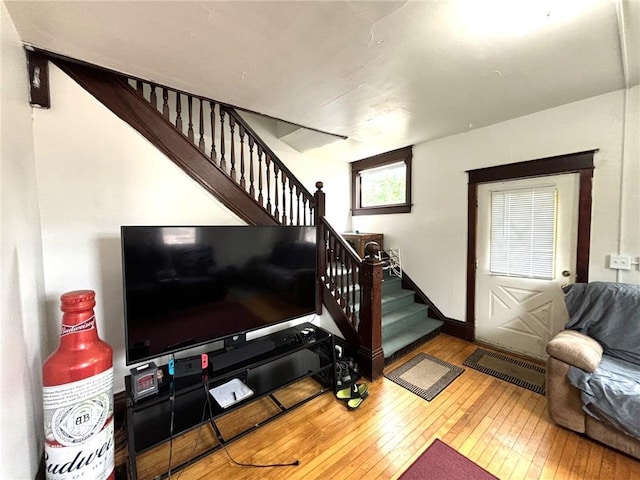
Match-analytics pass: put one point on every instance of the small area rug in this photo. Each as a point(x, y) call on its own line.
point(441, 462)
point(424, 375)
point(523, 374)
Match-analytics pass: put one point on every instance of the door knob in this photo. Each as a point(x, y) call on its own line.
point(566, 273)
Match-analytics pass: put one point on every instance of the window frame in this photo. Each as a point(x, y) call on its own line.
point(404, 155)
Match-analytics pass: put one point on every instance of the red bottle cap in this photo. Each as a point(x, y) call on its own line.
point(77, 301)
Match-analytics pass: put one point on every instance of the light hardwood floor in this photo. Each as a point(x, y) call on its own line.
point(502, 427)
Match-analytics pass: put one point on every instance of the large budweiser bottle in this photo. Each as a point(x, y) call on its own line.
point(78, 397)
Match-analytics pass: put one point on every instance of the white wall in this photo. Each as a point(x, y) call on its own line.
point(21, 285)
point(433, 238)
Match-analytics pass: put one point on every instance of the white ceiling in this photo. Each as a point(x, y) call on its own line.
point(384, 74)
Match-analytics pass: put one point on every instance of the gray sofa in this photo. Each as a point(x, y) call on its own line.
point(593, 368)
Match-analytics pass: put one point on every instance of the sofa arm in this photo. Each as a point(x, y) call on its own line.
point(576, 349)
point(564, 403)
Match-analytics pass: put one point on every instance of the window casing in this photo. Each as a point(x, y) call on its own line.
point(382, 184)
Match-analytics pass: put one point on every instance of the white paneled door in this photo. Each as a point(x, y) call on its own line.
point(526, 252)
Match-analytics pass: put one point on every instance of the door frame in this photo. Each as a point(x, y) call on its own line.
point(581, 163)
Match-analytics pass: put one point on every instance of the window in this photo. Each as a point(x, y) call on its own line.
point(523, 230)
point(382, 184)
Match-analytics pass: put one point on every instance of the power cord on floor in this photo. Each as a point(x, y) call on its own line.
point(216, 432)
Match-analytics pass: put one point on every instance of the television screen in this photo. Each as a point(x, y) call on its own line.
point(189, 285)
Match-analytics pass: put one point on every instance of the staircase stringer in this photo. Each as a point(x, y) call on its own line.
point(114, 92)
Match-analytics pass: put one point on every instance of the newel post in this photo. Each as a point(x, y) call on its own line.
point(370, 354)
point(321, 250)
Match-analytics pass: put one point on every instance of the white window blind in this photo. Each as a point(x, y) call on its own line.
point(523, 230)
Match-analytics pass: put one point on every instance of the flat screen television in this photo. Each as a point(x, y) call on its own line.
point(186, 286)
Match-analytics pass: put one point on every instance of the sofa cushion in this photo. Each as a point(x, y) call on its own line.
point(576, 349)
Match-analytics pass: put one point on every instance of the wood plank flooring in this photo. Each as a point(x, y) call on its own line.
point(502, 427)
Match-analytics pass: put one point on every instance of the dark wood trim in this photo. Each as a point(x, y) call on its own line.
point(38, 68)
point(584, 225)
point(115, 94)
point(472, 224)
point(404, 154)
point(458, 328)
point(581, 163)
point(573, 162)
point(404, 208)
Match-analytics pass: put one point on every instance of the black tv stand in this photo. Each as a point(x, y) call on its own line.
point(233, 356)
point(267, 365)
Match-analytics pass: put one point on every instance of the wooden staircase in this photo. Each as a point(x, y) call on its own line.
point(213, 144)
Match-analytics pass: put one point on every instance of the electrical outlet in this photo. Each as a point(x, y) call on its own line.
point(620, 262)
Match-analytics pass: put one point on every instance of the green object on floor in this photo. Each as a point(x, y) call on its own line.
point(355, 402)
point(359, 390)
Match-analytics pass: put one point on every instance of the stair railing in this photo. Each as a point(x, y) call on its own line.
point(352, 289)
point(231, 145)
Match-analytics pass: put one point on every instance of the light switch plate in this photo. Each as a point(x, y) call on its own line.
point(620, 262)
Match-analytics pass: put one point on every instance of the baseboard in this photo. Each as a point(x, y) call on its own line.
point(459, 329)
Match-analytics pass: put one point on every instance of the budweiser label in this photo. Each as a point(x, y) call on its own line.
point(88, 324)
point(78, 421)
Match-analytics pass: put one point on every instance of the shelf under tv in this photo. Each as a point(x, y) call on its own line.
point(269, 372)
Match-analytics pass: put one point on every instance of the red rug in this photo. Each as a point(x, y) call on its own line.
point(441, 462)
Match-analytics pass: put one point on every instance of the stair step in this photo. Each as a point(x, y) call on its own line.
point(396, 301)
point(403, 334)
point(391, 284)
point(402, 315)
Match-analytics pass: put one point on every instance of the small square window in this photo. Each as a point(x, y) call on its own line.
point(382, 184)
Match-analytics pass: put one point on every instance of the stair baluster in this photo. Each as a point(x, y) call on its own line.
point(276, 171)
point(267, 161)
point(284, 198)
point(165, 103)
point(214, 155)
point(190, 135)
point(153, 98)
point(232, 127)
point(179, 113)
point(201, 141)
point(252, 190)
point(243, 182)
point(260, 197)
point(223, 162)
